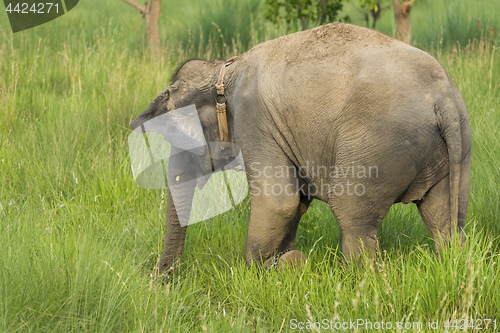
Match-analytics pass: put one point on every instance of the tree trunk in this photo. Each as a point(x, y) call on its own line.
point(152, 17)
point(151, 13)
point(402, 18)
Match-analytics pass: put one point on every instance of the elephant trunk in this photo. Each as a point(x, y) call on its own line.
point(175, 234)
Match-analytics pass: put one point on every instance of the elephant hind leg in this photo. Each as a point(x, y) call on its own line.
point(359, 237)
point(359, 217)
point(359, 233)
point(435, 211)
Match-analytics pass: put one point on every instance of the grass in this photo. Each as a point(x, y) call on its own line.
point(438, 24)
point(79, 239)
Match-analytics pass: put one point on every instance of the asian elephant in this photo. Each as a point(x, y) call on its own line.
point(339, 113)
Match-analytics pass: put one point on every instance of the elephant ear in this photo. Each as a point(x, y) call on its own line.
point(181, 128)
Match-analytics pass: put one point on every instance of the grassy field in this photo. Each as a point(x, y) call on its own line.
point(79, 240)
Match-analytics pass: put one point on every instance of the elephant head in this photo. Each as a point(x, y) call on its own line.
point(185, 115)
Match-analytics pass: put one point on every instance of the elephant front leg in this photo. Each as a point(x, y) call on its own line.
point(274, 219)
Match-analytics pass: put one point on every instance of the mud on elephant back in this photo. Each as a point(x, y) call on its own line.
point(338, 113)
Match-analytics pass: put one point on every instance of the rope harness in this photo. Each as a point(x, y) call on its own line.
point(221, 101)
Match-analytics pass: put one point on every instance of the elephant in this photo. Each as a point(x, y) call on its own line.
point(338, 113)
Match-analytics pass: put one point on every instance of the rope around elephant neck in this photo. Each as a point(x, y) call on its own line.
point(221, 104)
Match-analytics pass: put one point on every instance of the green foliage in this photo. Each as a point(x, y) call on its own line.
point(370, 4)
point(79, 240)
point(307, 12)
point(438, 24)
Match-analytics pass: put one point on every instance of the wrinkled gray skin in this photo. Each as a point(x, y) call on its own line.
point(338, 95)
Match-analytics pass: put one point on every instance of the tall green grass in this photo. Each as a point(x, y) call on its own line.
point(439, 24)
point(79, 240)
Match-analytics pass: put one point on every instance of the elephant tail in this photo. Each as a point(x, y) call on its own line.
point(448, 122)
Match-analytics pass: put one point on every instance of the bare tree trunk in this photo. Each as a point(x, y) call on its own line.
point(152, 19)
point(150, 13)
point(402, 18)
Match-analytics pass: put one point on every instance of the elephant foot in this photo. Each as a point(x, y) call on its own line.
point(291, 258)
